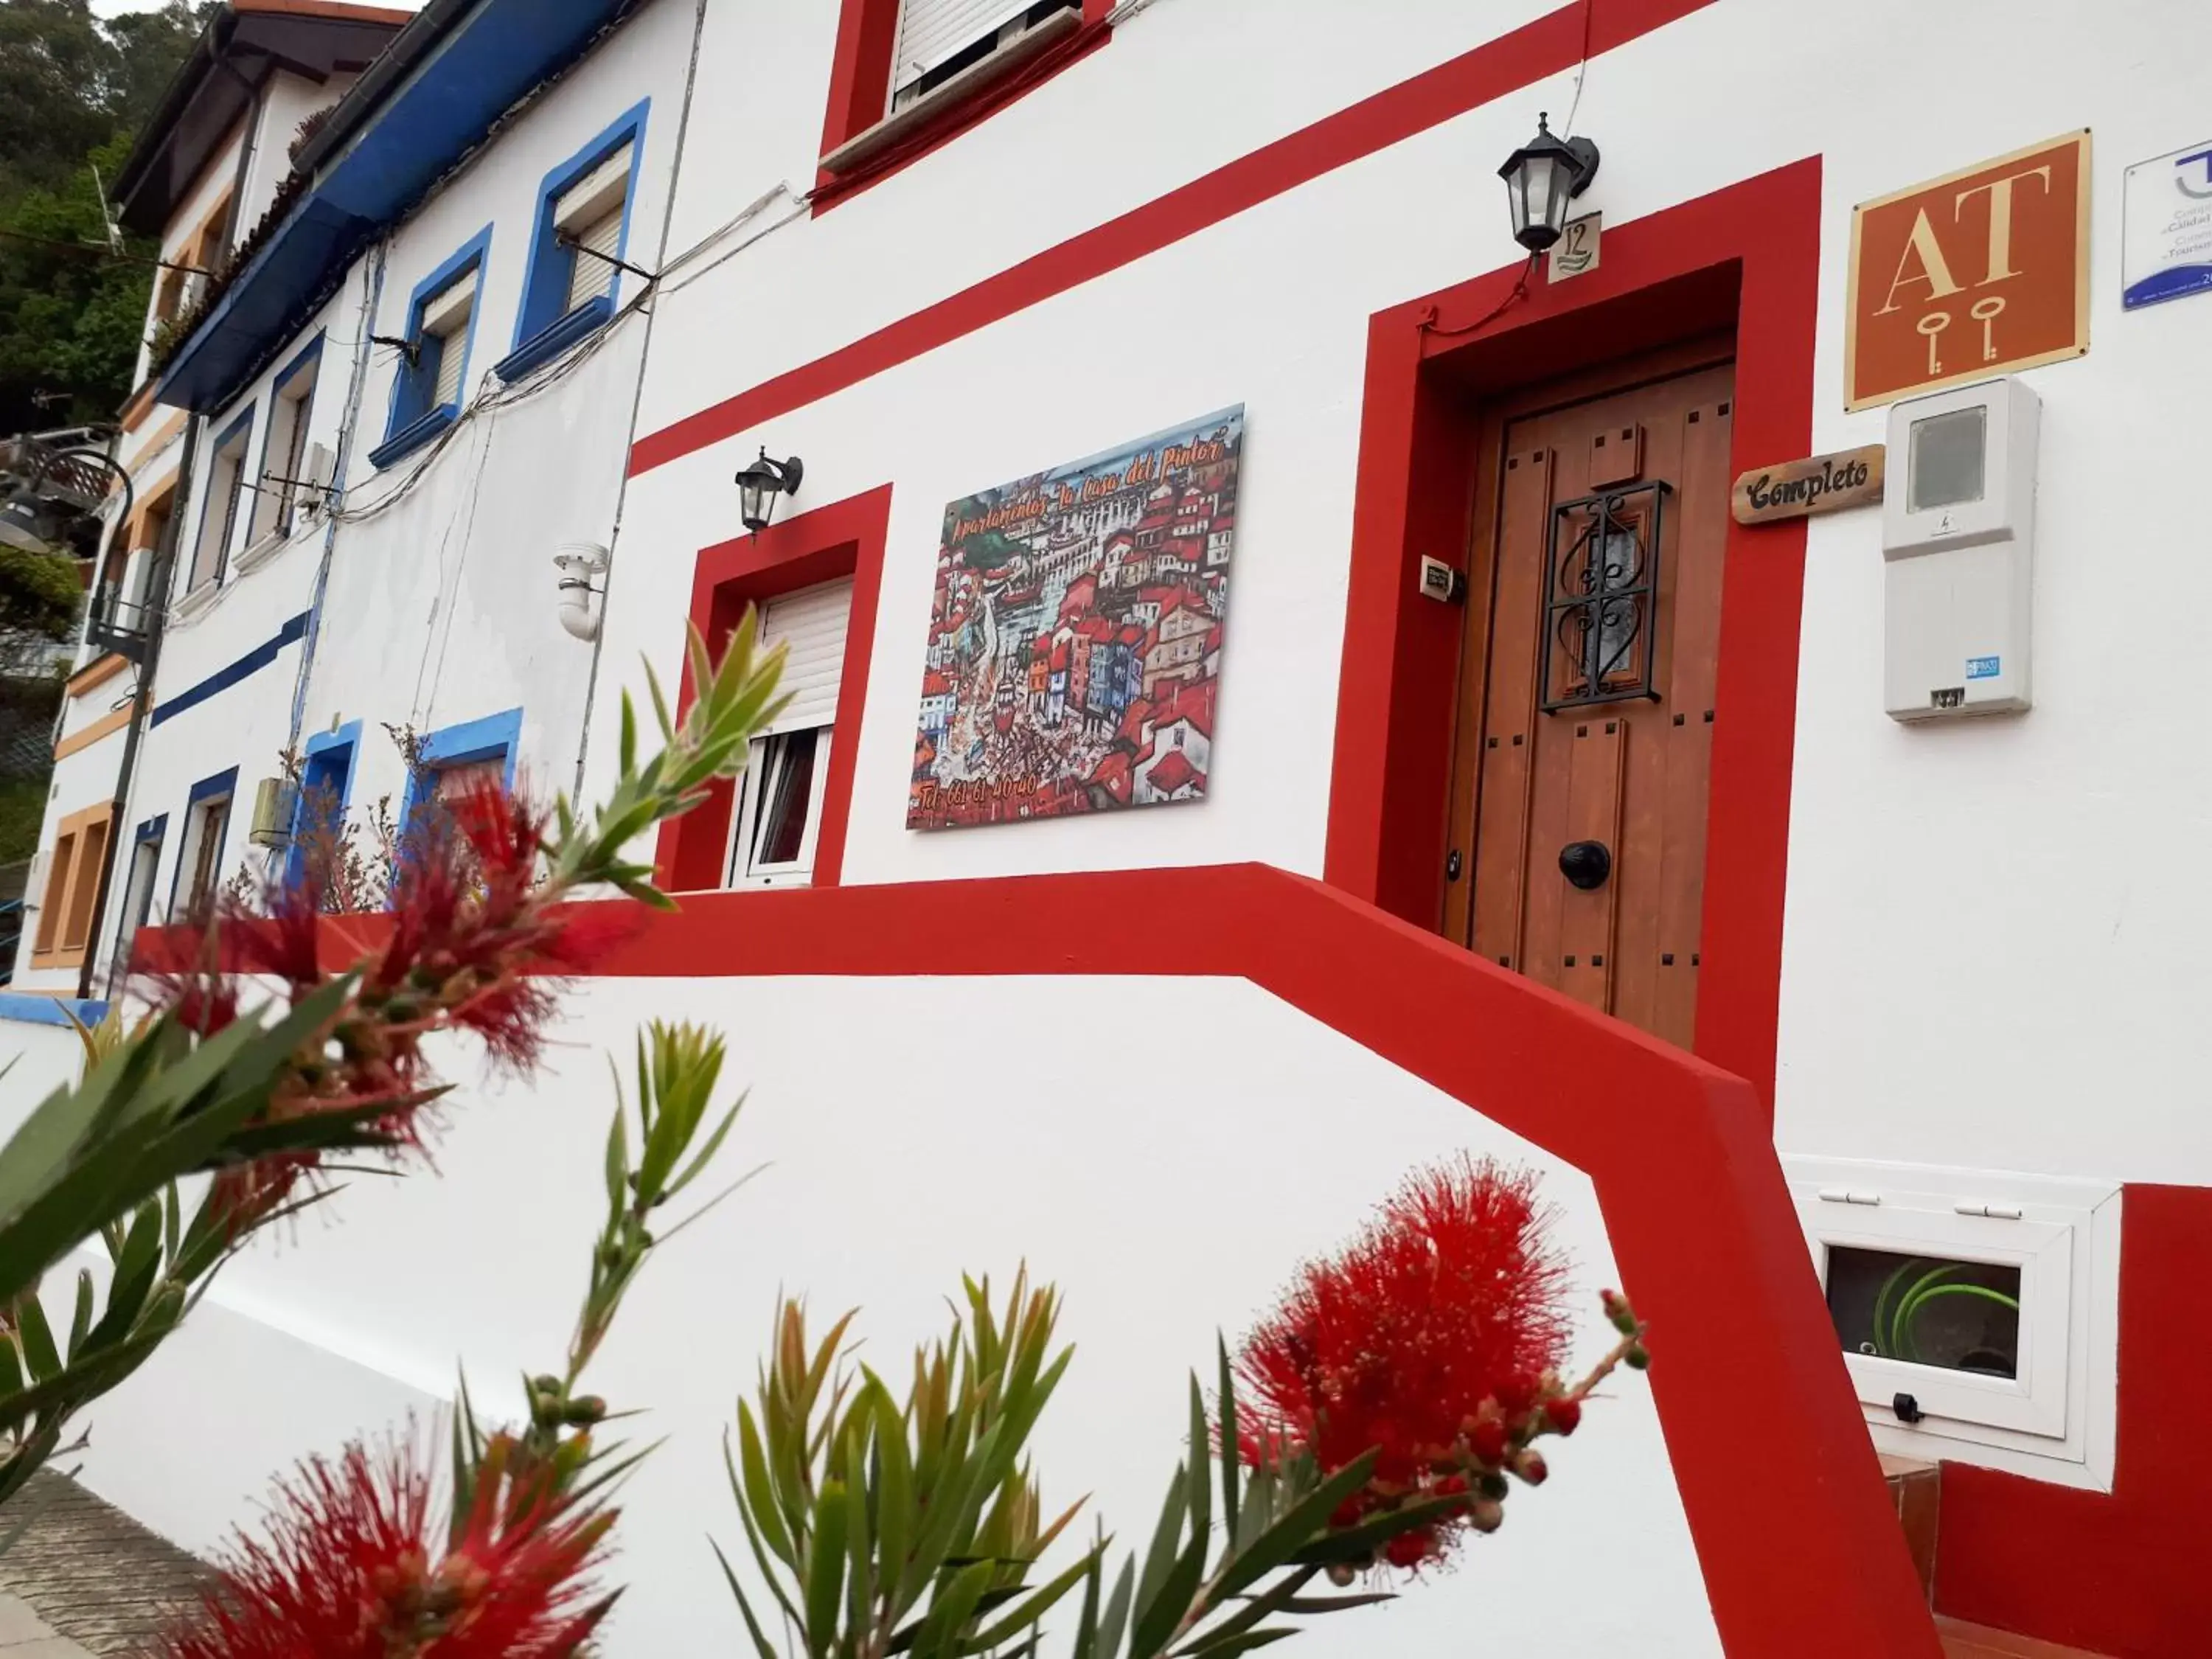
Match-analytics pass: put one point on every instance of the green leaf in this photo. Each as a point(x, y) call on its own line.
point(1296, 1527)
point(1167, 1543)
point(1201, 1467)
point(896, 1516)
point(37, 1337)
point(1086, 1622)
point(1035, 1606)
point(1231, 1450)
point(825, 1567)
point(1117, 1611)
point(760, 1637)
point(1244, 1642)
point(1157, 1620)
point(951, 1609)
point(80, 1316)
point(756, 1492)
point(1360, 1542)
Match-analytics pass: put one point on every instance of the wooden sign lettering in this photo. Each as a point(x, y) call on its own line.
point(1821, 484)
point(1970, 275)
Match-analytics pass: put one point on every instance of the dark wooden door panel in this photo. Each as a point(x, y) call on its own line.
point(1628, 772)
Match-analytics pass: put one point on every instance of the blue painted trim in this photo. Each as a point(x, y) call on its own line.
point(321, 764)
point(456, 745)
point(223, 678)
point(412, 437)
point(152, 830)
point(411, 387)
point(29, 1008)
point(486, 57)
point(312, 353)
point(548, 344)
point(545, 277)
point(221, 783)
point(242, 430)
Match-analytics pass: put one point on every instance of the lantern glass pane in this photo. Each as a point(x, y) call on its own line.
point(1538, 178)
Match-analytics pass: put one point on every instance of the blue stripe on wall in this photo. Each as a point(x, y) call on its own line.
point(223, 678)
point(28, 1008)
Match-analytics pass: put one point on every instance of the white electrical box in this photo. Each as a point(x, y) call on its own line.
point(1958, 542)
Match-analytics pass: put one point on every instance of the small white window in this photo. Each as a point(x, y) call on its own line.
point(589, 214)
point(284, 455)
point(1969, 1305)
point(138, 891)
point(779, 816)
point(226, 479)
point(446, 332)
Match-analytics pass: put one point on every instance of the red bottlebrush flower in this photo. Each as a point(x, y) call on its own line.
point(1563, 1411)
point(351, 1571)
point(1450, 1298)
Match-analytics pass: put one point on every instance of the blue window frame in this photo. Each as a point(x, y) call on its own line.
point(326, 790)
point(145, 862)
point(226, 478)
point(553, 316)
point(284, 441)
point(207, 827)
point(427, 393)
point(472, 743)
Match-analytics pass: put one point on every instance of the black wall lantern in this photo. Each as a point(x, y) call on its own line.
point(1542, 178)
point(759, 484)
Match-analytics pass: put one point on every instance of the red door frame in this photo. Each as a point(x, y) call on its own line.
point(845, 538)
point(1748, 255)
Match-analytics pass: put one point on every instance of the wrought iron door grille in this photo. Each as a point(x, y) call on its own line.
point(1602, 596)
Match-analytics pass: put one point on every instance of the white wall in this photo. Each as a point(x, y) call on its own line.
point(441, 606)
point(1165, 1214)
point(1977, 924)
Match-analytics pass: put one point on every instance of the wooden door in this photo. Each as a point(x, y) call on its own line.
point(1586, 719)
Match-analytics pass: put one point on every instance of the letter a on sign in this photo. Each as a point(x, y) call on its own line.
point(1969, 276)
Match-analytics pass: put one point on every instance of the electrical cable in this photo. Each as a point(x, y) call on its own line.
point(1518, 293)
point(1582, 69)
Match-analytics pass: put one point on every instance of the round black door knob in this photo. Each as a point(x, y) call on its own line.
point(1586, 863)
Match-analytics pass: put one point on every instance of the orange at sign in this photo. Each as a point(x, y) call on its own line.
point(1970, 275)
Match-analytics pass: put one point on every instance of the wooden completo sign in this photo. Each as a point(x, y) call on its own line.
point(1971, 275)
point(1819, 483)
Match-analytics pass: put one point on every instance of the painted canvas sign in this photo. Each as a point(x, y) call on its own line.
point(1075, 635)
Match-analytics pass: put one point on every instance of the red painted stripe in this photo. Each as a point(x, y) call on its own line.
point(1551, 44)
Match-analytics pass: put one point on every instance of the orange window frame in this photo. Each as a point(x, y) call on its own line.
point(66, 923)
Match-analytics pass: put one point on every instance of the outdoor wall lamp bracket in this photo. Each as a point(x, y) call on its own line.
point(1542, 178)
point(759, 484)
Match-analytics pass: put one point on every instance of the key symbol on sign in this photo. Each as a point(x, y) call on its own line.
point(1985, 312)
point(1932, 325)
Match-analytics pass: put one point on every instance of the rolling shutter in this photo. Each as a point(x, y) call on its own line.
point(931, 31)
point(589, 278)
point(812, 623)
point(446, 317)
point(452, 357)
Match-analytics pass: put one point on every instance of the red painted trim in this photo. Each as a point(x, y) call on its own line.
point(2113, 1573)
point(1548, 45)
point(865, 80)
point(845, 538)
point(1748, 256)
point(1801, 1552)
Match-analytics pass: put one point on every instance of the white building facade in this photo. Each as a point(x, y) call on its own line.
point(1659, 895)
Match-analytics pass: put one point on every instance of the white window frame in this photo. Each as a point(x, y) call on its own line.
point(741, 870)
point(198, 822)
point(446, 318)
point(283, 454)
point(2055, 1420)
point(219, 519)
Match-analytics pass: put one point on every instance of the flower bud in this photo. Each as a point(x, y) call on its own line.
point(1487, 1442)
point(1493, 1485)
point(1343, 1574)
point(1637, 1359)
point(587, 1408)
point(1487, 1515)
point(1564, 1411)
point(1531, 1468)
